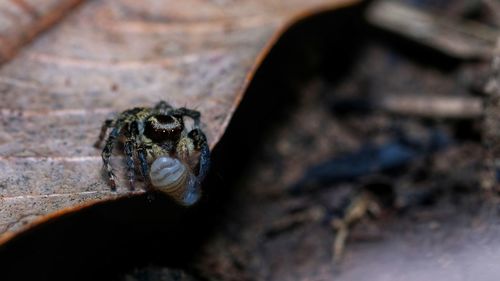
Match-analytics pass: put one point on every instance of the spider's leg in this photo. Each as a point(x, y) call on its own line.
point(162, 106)
point(204, 163)
point(201, 144)
point(142, 154)
point(107, 124)
point(131, 143)
point(195, 115)
point(129, 153)
point(142, 148)
point(106, 154)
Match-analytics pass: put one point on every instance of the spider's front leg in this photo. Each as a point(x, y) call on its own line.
point(129, 153)
point(132, 142)
point(106, 154)
point(201, 144)
point(143, 162)
point(142, 147)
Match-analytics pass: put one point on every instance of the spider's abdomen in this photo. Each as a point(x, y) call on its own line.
point(174, 178)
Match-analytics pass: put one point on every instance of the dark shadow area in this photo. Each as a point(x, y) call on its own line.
point(97, 242)
point(325, 45)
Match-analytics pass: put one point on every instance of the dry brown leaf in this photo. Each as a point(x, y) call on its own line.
point(107, 56)
point(21, 20)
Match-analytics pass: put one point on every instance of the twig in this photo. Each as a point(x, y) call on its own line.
point(460, 39)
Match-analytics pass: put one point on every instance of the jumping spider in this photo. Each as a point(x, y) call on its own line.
point(158, 138)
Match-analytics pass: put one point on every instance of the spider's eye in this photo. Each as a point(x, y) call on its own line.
point(163, 127)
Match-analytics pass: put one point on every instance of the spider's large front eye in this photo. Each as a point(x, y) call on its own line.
point(163, 127)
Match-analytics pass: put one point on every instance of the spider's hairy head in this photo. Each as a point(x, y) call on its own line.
point(162, 127)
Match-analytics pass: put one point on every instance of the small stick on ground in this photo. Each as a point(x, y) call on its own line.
point(459, 39)
point(359, 208)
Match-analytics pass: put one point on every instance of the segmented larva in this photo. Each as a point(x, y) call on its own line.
point(172, 177)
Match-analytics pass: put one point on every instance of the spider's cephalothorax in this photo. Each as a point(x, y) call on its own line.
point(157, 137)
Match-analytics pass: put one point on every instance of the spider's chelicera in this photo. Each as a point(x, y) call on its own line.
point(158, 138)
